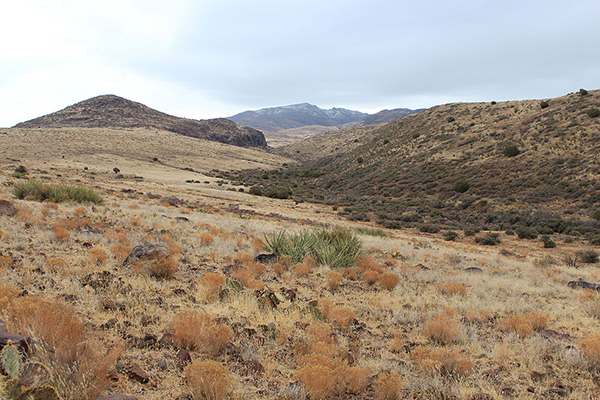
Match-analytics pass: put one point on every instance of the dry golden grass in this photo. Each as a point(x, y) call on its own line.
point(96, 256)
point(452, 288)
point(334, 279)
point(370, 277)
point(301, 269)
point(441, 329)
point(208, 380)
point(206, 238)
point(524, 324)
point(61, 234)
point(197, 331)
point(342, 316)
point(211, 283)
point(6, 262)
point(389, 280)
point(387, 386)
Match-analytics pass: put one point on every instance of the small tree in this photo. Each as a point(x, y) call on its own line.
point(461, 186)
point(544, 104)
point(593, 112)
point(511, 151)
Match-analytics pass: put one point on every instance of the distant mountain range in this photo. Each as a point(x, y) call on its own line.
point(276, 119)
point(111, 111)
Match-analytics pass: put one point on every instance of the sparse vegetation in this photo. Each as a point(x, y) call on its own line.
point(38, 191)
point(511, 151)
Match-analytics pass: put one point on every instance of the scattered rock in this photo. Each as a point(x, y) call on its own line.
point(112, 304)
point(583, 285)
point(422, 267)
point(7, 208)
point(184, 219)
point(117, 397)
point(537, 376)
point(253, 368)
point(185, 396)
point(265, 258)
point(146, 252)
point(475, 270)
point(20, 342)
point(507, 253)
point(87, 245)
point(183, 357)
point(555, 335)
point(136, 373)
point(167, 340)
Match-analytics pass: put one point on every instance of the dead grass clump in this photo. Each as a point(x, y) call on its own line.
point(61, 234)
point(591, 348)
point(334, 279)
point(2, 234)
point(452, 288)
point(480, 316)
point(319, 380)
point(212, 283)
point(357, 379)
point(163, 268)
point(286, 260)
point(120, 251)
point(442, 329)
point(350, 273)
point(524, 324)
point(96, 256)
point(6, 262)
point(387, 386)
point(301, 269)
point(389, 280)
point(206, 239)
point(244, 258)
point(325, 306)
point(319, 332)
point(197, 331)
point(278, 268)
point(370, 277)
point(397, 343)
point(310, 261)
point(208, 380)
point(56, 264)
point(256, 244)
point(343, 316)
point(442, 361)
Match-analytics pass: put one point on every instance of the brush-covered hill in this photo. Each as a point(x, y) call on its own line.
point(111, 111)
point(480, 165)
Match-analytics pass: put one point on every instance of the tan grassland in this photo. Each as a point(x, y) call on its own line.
point(440, 333)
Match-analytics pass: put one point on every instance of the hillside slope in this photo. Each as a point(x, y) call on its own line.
point(111, 111)
point(406, 172)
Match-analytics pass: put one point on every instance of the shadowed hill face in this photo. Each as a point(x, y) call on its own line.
point(116, 112)
point(515, 157)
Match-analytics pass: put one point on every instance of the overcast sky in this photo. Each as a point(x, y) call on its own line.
point(207, 59)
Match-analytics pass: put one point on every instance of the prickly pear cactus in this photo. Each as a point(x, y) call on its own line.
point(11, 361)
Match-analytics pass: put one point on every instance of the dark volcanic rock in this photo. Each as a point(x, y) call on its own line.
point(116, 112)
point(146, 252)
point(583, 285)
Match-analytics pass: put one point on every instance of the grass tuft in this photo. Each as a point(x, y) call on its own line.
point(57, 193)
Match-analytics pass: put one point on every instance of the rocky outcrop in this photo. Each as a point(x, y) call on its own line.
point(116, 112)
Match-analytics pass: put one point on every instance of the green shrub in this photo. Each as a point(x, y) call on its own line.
point(416, 135)
point(378, 232)
point(429, 228)
point(588, 256)
point(359, 160)
point(489, 239)
point(596, 215)
point(461, 186)
point(527, 232)
point(544, 104)
point(548, 243)
point(283, 193)
point(450, 119)
point(583, 92)
point(56, 193)
point(255, 190)
point(511, 151)
point(450, 236)
point(335, 247)
point(593, 113)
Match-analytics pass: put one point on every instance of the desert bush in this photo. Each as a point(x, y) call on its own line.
point(489, 239)
point(370, 277)
point(429, 228)
point(588, 256)
point(208, 380)
point(450, 119)
point(544, 104)
point(301, 269)
point(389, 280)
point(590, 347)
point(357, 379)
point(61, 234)
point(441, 329)
point(319, 380)
point(96, 256)
point(548, 243)
point(452, 288)
point(527, 232)
point(398, 343)
point(450, 236)
point(593, 113)
point(206, 238)
point(461, 186)
point(442, 361)
point(511, 151)
point(524, 324)
point(343, 316)
point(211, 283)
point(334, 279)
point(163, 268)
point(6, 262)
point(387, 386)
point(197, 331)
point(56, 193)
point(583, 92)
point(120, 251)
